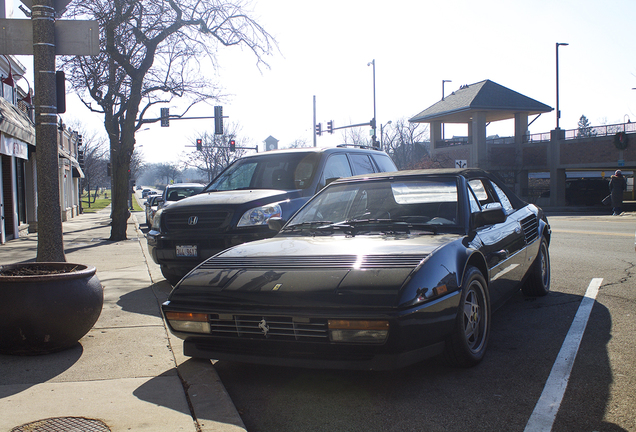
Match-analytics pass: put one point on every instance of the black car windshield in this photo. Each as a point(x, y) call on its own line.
point(280, 171)
point(426, 203)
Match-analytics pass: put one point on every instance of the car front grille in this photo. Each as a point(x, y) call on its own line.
point(193, 220)
point(269, 327)
point(530, 227)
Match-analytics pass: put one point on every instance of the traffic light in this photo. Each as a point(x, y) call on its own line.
point(80, 158)
point(330, 126)
point(199, 144)
point(165, 117)
point(232, 145)
point(218, 120)
point(319, 129)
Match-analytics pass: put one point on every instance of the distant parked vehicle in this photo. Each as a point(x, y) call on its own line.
point(151, 208)
point(584, 192)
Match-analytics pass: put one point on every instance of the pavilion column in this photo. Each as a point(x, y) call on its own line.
point(521, 130)
point(479, 149)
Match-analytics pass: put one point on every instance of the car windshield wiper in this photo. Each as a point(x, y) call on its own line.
point(313, 225)
point(382, 225)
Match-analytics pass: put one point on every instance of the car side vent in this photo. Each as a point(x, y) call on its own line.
point(362, 262)
point(530, 227)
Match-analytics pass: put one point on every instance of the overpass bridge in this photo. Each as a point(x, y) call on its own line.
point(601, 148)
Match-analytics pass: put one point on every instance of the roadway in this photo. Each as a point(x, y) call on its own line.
point(556, 360)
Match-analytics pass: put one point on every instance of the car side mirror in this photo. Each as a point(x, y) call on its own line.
point(275, 223)
point(488, 216)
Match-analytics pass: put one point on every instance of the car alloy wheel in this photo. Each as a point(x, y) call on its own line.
point(466, 346)
point(538, 282)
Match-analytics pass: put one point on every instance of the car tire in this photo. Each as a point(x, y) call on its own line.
point(466, 346)
point(173, 276)
point(538, 282)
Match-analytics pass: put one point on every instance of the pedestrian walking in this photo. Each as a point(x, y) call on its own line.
point(616, 186)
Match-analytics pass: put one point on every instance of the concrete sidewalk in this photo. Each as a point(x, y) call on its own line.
point(128, 372)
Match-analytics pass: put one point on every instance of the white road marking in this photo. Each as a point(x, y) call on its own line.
point(547, 407)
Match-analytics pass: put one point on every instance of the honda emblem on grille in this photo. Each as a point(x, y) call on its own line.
point(192, 220)
point(263, 326)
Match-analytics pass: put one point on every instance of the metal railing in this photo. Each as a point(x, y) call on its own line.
point(579, 133)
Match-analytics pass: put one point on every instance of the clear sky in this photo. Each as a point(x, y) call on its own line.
point(325, 46)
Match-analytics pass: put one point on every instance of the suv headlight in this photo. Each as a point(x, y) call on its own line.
point(259, 215)
point(156, 221)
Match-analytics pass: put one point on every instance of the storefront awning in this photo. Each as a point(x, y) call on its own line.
point(15, 123)
point(77, 170)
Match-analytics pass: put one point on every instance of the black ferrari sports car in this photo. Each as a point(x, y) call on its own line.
point(374, 272)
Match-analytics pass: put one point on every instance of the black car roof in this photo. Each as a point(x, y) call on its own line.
point(467, 173)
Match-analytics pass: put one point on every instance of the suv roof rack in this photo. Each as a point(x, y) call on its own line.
point(361, 146)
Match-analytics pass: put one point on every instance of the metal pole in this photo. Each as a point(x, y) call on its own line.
point(375, 118)
point(315, 140)
point(558, 111)
point(50, 239)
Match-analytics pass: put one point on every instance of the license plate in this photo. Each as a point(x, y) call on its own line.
point(188, 251)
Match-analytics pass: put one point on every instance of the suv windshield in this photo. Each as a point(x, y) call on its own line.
point(280, 171)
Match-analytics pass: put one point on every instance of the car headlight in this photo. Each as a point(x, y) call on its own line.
point(189, 322)
point(356, 331)
point(156, 220)
point(259, 215)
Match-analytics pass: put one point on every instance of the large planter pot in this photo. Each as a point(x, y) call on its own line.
point(44, 313)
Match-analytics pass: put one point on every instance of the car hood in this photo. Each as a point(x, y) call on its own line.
point(334, 271)
point(235, 197)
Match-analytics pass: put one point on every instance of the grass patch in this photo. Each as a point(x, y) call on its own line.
point(103, 200)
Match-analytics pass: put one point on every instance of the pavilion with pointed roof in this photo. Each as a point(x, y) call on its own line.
point(477, 105)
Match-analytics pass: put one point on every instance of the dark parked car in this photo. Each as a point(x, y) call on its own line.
point(584, 192)
point(176, 192)
point(374, 272)
point(151, 207)
point(235, 207)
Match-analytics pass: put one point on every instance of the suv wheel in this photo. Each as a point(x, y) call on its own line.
point(173, 275)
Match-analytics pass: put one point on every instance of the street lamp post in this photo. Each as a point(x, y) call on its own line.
point(374, 122)
point(443, 82)
point(558, 111)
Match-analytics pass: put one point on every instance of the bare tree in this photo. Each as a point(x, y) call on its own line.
point(299, 143)
point(95, 172)
point(356, 136)
point(170, 172)
point(151, 52)
point(215, 152)
point(405, 142)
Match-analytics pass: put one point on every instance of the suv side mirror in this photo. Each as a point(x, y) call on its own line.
point(488, 216)
point(275, 223)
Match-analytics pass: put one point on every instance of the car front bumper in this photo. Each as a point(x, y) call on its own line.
point(414, 334)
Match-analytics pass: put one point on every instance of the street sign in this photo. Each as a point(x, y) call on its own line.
point(59, 5)
point(72, 37)
point(461, 163)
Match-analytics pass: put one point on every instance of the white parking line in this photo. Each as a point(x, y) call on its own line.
point(545, 411)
